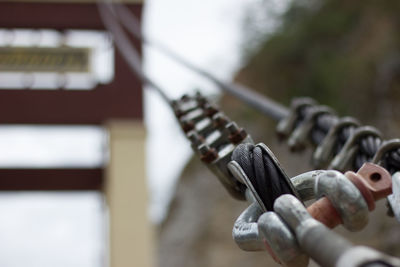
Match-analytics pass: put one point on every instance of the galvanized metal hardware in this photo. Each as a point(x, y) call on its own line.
point(325, 151)
point(245, 230)
point(300, 137)
point(213, 137)
point(322, 245)
point(343, 160)
point(280, 241)
point(343, 198)
point(394, 198)
point(288, 124)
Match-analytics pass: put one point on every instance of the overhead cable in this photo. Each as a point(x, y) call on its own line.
point(256, 100)
point(126, 48)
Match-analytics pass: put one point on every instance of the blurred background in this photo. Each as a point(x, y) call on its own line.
point(95, 171)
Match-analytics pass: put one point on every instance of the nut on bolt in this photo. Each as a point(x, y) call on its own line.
point(220, 120)
point(210, 110)
point(236, 134)
point(207, 154)
point(195, 138)
point(186, 125)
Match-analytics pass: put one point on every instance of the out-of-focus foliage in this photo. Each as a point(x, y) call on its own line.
point(346, 54)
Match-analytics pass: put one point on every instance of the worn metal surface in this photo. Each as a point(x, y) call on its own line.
point(280, 241)
point(245, 230)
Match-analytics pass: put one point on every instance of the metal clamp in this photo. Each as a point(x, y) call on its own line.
point(386, 147)
point(286, 126)
point(347, 154)
point(325, 151)
point(213, 137)
point(299, 138)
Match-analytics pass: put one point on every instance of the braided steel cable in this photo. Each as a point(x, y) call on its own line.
point(263, 174)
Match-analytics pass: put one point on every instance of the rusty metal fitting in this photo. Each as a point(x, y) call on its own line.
point(325, 151)
point(373, 181)
point(347, 198)
point(286, 126)
point(183, 108)
point(347, 154)
point(207, 154)
point(195, 138)
point(339, 202)
point(236, 134)
point(210, 110)
point(186, 125)
point(220, 120)
point(201, 100)
point(299, 138)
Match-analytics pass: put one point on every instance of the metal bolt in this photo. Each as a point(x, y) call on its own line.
point(195, 138)
point(210, 110)
point(187, 125)
point(185, 98)
point(220, 120)
point(236, 134)
point(207, 154)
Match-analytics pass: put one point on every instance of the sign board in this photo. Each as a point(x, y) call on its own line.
point(44, 59)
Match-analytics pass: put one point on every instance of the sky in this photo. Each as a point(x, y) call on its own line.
point(43, 226)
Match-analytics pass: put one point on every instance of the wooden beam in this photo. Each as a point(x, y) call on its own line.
point(51, 179)
point(121, 99)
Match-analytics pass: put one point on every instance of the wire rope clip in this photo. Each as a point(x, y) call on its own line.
point(345, 158)
point(300, 137)
point(286, 125)
point(325, 151)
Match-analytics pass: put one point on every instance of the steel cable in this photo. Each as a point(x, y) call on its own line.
point(265, 177)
